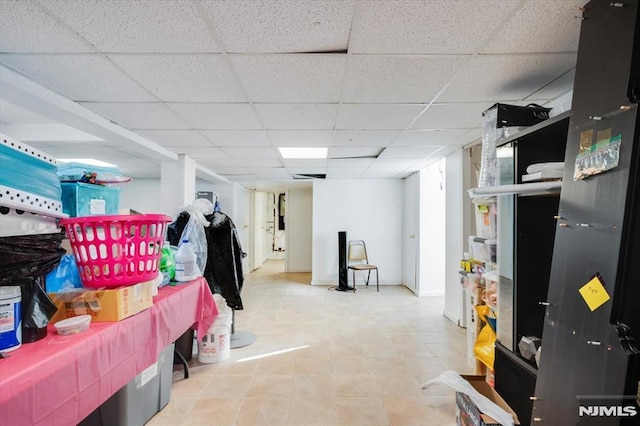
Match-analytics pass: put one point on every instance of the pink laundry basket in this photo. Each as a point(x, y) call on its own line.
point(113, 251)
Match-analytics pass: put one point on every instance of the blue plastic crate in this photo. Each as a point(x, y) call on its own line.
point(84, 199)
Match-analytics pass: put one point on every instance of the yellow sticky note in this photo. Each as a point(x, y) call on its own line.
point(594, 293)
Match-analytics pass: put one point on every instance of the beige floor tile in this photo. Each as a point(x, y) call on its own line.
point(325, 358)
point(356, 385)
point(214, 411)
point(411, 410)
point(256, 411)
point(313, 366)
point(350, 365)
point(175, 412)
point(399, 385)
point(312, 386)
point(227, 387)
point(191, 387)
point(387, 367)
point(270, 386)
point(232, 368)
point(313, 412)
point(362, 411)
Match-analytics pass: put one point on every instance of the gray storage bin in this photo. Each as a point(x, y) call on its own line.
point(140, 399)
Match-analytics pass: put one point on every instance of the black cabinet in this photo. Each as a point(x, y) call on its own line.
point(526, 232)
point(594, 351)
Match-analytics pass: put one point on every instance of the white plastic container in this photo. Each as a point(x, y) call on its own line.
point(186, 266)
point(73, 325)
point(10, 318)
point(215, 346)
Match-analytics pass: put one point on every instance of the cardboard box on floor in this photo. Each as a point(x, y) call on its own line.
point(467, 414)
point(103, 305)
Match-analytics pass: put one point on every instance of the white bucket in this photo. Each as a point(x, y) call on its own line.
point(215, 345)
point(10, 318)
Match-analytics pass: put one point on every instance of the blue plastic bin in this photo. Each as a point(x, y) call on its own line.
point(84, 199)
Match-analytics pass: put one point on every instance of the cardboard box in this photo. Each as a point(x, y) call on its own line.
point(103, 305)
point(467, 414)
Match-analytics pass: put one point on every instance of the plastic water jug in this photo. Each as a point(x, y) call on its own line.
point(185, 260)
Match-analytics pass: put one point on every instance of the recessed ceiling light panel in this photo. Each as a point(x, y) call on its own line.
point(290, 152)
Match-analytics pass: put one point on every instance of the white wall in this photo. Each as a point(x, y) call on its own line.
point(433, 239)
point(454, 183)
point(142, 195)
point(299, 223)
point(261, 237)
point(370, 210)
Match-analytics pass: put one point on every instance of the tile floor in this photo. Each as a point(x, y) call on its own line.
point(325, 358)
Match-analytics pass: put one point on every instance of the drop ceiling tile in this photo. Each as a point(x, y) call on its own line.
point(255, 162)
point(430, 138)
point(416, 152)
point(208, 116)
point(376, 117)
point(398, 79)
point(471, 136)
point(307, 138)
point(297, 116)
point(540, 26)
point(345, 173)
point(349, 163)
point(426, 27)
point(175, 137)
point(305, 164)
point(393, 163)
point(79, 77)
point(361, 151)
point(136, 26)
point(307, 170)
point(556, 88)
point(237, 137)
point(291, 78)
point(215, 164)
point(229, 171)
point(26, 28)
point(183, 78)
point(507, 77)
point(199, 152)
point(251, 152)
point(302, 26)
point(365, 138)
point(150, 115)
point(452, 116)
point(269, 172)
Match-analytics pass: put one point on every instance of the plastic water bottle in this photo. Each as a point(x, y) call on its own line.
point(186, 266)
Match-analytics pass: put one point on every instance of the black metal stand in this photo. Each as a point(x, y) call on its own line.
point(240, 339)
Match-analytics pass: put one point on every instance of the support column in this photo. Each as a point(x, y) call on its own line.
point(178, 183)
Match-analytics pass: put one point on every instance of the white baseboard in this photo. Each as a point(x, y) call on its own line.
point(371, 283)
point(431, 294)
point(452, 317)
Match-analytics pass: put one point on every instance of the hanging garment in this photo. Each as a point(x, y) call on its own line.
point(224, 261)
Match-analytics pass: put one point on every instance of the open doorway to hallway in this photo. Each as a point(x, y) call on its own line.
point(282, 228)
point(273, 270)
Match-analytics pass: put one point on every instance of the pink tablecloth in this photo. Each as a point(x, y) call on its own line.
point(59, 380)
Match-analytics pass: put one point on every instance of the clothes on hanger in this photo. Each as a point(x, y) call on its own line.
point(224, 261)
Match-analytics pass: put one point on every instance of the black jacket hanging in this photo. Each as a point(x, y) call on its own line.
point(224, 259)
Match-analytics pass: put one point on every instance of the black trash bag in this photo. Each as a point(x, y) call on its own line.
point(29, 256)
point(175, 229)
point(24, 261)
point(38, 306)
point(224, 259)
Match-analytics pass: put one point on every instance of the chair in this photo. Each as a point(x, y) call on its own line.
point(357, 260)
